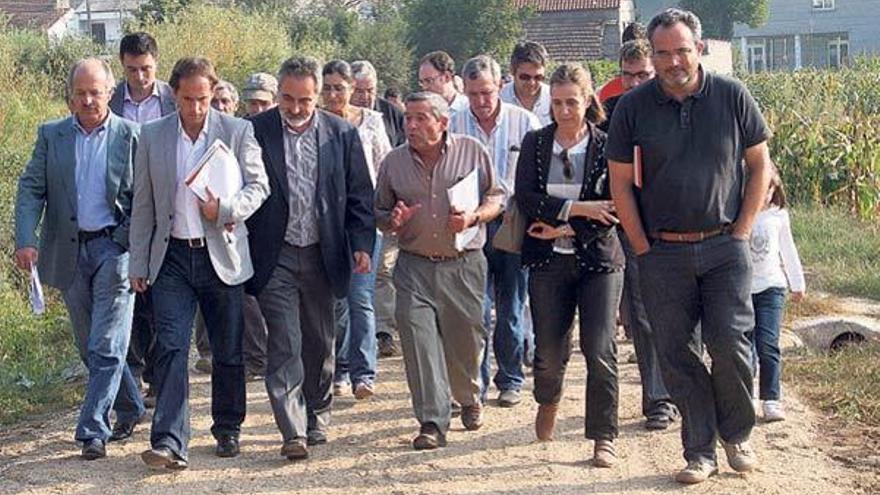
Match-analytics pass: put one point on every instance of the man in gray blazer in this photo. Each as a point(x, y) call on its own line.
point(78, 182)
point(193, 251)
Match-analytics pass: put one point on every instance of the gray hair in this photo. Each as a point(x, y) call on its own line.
point(363, 69)
point(228, 86)
point(300, 67)
point(481, 64)
point(439, 107)
point(79, 64)
point(670, 17)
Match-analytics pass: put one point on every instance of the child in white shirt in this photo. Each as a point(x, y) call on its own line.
point(776, 268)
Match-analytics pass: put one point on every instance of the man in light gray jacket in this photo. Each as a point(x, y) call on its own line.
point(192, 251)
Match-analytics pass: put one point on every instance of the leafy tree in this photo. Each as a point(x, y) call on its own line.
point(718, 16)
point(464, 28)
point(383, 41)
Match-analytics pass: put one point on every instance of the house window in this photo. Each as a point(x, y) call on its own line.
point(99, 32)
point(757, 56)
point(823, 4)
point(838, 52)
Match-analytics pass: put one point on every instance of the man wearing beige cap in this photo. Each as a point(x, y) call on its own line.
point(259, 93)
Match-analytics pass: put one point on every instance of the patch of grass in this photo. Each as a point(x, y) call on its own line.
point(33, 352)
point(845, 383)
point(840, 253)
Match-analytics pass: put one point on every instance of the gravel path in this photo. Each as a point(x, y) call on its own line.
point(369, 452)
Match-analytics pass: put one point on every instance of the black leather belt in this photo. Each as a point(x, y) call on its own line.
point(88, 235)
point(195, 243)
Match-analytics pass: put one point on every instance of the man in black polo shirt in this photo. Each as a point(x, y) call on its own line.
point(704, 170)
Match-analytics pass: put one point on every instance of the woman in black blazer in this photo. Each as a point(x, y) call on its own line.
point(574, 256)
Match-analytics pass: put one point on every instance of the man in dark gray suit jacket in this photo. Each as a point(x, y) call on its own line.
point(78, 182)
point(141, 98)
point(315, 228)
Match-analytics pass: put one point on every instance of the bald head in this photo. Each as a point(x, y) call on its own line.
point(89, 86)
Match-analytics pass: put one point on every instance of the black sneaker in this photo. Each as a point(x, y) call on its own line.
point(93, 449)
point(387, 347)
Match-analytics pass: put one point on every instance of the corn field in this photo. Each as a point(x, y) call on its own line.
point(826, 128)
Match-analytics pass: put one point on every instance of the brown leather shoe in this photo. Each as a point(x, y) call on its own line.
point(472, 417)
point(429, 438)
point(604, 454)
point(545, 421)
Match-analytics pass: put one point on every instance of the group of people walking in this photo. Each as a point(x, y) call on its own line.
point(463, 221)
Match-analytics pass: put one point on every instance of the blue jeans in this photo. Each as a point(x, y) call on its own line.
point(186, 278)
point(707, 282)
point(766, 356)
point(356, 327)
point(507, 289)
point(100, 307)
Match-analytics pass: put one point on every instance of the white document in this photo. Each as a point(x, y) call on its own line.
point(464, 195)
point(218, 170)
point(38, 303)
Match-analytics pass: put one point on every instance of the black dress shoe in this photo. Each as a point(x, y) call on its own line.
point(93, 449)
point(124, 429)
point(163, 458)
point(316, 437)
point(227, 446)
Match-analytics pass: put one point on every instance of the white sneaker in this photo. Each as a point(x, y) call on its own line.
point(773, 411)
point(740, 456)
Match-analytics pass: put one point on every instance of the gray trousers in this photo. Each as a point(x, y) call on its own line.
point(440, 320)
point(385, 293)
point(707, 282)
point(297, 304)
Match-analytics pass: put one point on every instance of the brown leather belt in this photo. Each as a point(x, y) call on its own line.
point(439, 259)
point(691, 237)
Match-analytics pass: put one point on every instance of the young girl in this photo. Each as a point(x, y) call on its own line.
point(776, 268)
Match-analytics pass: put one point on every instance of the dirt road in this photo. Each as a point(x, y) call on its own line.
point(369, 453)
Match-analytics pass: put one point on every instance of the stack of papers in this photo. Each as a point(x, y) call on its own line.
point(464, 195)
point(218, 170)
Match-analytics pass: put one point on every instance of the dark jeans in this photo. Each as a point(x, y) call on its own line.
point(766, 356)
point(656, 402)
point(185, 279)
point(506, 289)
point(707, 282)
point(557, 290)
point(141, 350)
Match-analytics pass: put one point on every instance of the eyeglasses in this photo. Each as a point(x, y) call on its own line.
point(567, 166)
point(529, 77)
point(641, 75)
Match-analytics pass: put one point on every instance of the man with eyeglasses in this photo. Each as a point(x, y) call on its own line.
point(500, 127)
point(636, 68)
point(528, 90)
point(702, 176)
point(436, 74)
point(78, 185)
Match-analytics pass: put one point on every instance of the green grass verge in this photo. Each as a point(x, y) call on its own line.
point(840, 253)
point(34, 350)
point(845, 383)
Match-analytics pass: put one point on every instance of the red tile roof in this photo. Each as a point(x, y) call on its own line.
point(563, 5)
point(38, 14)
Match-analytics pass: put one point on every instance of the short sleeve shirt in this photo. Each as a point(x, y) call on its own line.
point(692, 152)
